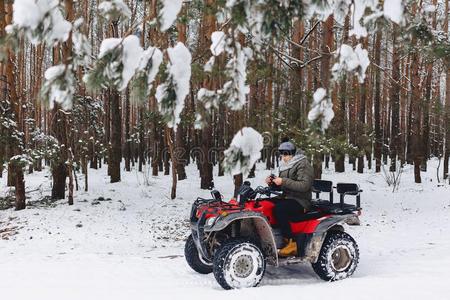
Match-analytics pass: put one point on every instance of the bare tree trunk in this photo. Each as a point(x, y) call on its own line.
point(395, 100)
point(180, 145)
point(327, 46)
point(206, 166)
point(447, 104)
point(340, 119)
point(168, 134)
point(115, 156)
point(377, 100)
point(127, 151)
point(15, 172)
point(426, 102)
point(415, 110)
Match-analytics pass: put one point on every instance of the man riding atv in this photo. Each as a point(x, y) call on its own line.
point(236, 239)
point(296, 176)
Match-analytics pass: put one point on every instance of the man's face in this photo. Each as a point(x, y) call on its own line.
point(286, 157)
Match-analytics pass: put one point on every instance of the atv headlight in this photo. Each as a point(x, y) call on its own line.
point(210, 221)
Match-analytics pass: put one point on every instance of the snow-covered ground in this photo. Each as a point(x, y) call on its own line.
point(129, 244)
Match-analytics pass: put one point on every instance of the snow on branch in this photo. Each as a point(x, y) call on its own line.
point(114, 10)
point(236, 69)
point(363, 12)
point(244, 151)
point(321, 109)
point(393, 10)
point(351, 60)
point(81, 45)
point(117, 63)
point(40, 21)
point(168, 13)
point(173, 91)
point(235, 89)
point(59, 86)
point(218, 39)
point(147, 70)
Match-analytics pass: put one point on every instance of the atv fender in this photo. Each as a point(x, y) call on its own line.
point(333, 223)
point(253, 225)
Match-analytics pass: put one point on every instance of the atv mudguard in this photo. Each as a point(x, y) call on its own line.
point(250, 223)
point(332, 223)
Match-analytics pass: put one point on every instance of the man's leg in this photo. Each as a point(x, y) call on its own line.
point(284, 210)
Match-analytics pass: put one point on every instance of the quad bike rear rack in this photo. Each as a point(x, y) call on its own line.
point(343, 189)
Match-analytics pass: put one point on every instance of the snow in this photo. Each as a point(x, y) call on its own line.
point(247, 144)
point(168, 13)
point(218, 39)
point(81, 46)
point(180, 69)
point(321, 109)
point(428, 8)
point(28, 13)
point(54, 72)
point(393, 10)
point(352, 60)
point(358, 11)
point(209, 64)
point(154, 55)
point(41, 20)
point(322, 9)
point(180, 73)
point(237, 70)
point(137, 252)
point(130, 58)
point(59, 86)
point(111, 9)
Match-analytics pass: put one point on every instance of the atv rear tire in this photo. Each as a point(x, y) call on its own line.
point(194, 259)
point(338, 257)
point(238, 263)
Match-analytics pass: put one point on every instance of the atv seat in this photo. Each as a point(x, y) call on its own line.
point(310, 215)
point(333, 208)
point(323, 186)
point(352, 189)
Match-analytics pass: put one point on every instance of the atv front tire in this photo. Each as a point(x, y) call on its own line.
point(194, 259)
point(338, 257)
point(238, 263)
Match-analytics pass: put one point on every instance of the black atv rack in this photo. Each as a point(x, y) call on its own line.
point(343, 189)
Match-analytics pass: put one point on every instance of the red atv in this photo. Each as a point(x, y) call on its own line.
point(236, 239)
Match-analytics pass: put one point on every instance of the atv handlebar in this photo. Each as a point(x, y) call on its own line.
point(267, 191)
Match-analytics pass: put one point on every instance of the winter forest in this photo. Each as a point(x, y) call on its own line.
point(139, 106)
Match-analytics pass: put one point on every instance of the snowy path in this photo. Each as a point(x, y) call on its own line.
point(124, 248)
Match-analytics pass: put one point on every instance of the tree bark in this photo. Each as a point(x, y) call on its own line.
point(339, 120)
point(115, 156)
point(415, 126)
point(395, 100)
point(447, 103)
point(377, 100)
point(327, 46)
point(206, 166)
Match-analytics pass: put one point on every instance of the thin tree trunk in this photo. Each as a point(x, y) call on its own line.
point(327, 46)
point(168, 134)
point(15, 172)
point(395, 100)
point(127, 151)
point(377, 100)
point(415, 110)
point(447, 103)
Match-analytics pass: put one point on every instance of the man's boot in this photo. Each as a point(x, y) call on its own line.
point(290, 249)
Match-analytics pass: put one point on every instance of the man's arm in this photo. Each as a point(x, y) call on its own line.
point(303, 181)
